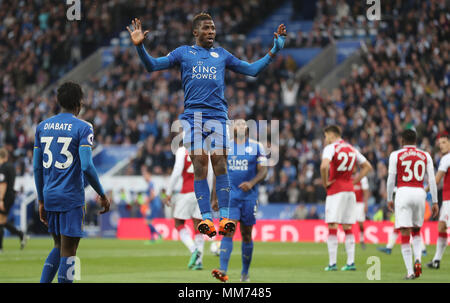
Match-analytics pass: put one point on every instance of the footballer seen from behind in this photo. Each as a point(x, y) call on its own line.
point(62, 155)
point(407, 168)
point(205, 116)
point(336, 170)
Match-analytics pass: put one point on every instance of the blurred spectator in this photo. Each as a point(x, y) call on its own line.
point(312, 213)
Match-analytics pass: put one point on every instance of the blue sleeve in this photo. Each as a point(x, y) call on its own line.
point(243, 67)
point(150, 63)
point(38, 172)
point(87, 166)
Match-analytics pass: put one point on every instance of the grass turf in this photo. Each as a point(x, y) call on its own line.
point(112, 260)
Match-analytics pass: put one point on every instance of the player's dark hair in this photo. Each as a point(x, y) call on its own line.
point(333, 129)
point(3, 153)
point(199, 18)
point(409, 136)
point(445, 135)
point(69, 96)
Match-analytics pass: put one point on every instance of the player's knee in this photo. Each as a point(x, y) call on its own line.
point(442, 227)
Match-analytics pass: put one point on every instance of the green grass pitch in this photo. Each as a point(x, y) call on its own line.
point(112, 260)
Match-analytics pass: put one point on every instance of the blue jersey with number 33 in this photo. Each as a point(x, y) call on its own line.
point(59, 139)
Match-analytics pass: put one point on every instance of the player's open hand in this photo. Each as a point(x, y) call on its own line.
point(42, 213)
point(104, 202)
point(390, 206)
point(245, 186)
point(278, 38)
point(435, 210)
point(326, 185)
point(167, 200)
point(136, 34)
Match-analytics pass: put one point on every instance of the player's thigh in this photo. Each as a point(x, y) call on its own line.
point(360, 214)
point(69, 246)
point(444, 213)
point(217, 135)
point(403, 208)
point(71, 222)
point(249, 209)
point(194, 208)
point(340, 208)
point(235, 209)
point(182, 209)
point(419, 206)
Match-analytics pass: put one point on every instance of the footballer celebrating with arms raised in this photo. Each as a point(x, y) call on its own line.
point(205, 114)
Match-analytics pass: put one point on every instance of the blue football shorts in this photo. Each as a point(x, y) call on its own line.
point(244, 211)
point(204, 132)
point(69, 223)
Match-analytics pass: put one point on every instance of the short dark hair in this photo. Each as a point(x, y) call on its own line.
point(199, 18)
point(409, 136)
point(69, 95)
point(333, 129)
point(444, 134)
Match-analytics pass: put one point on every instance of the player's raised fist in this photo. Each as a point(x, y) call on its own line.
point(136, 34)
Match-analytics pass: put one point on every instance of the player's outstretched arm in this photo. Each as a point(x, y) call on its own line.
point(138, 37)
point(88, 168)
point(253, 69)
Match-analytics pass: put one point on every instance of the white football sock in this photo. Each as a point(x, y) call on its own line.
point(417, 247)
point(440, 248)
point(199, 244)
point(392, 239)
point(332, 243)
point(407, 257)
point(350, 248)
point(185, 237)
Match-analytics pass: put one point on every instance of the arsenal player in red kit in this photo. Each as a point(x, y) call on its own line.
point(407, 167)
point(338, 160)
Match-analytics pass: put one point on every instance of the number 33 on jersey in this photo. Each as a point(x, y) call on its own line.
point(59, 139)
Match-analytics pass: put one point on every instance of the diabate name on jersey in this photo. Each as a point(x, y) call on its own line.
point(58, 126)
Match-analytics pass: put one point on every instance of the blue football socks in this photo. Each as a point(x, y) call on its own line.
point(51, 266)
point(202, 194)
point(247, 252)
point(223, 194)
point(226, 247)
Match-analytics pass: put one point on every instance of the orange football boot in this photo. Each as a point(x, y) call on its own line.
point(219, 275)
point(226, 226)
point(206, 227)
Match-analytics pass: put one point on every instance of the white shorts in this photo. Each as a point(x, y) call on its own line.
point(360, 214)
point(409, 206)
point(341, 208)
point(186, 207)
point(445, 212)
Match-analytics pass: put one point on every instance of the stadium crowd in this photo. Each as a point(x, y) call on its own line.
point(402, 82)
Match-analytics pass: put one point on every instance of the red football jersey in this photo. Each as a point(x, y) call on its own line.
point(444, 166)
point(187, 175)
point(343, 158)
point(411, 164)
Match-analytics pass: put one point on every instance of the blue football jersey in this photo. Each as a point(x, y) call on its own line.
point(203, 78)
point(59, 139)
point(242, 166)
